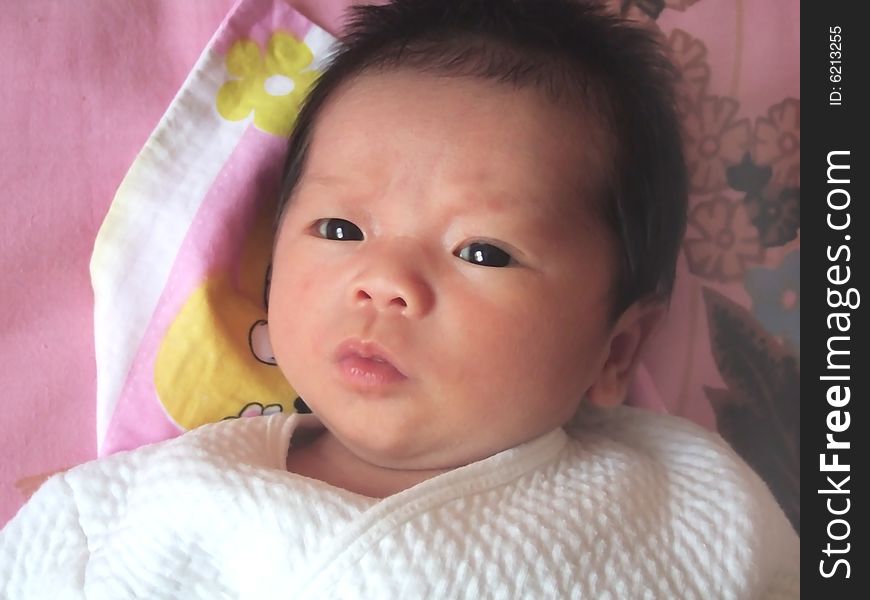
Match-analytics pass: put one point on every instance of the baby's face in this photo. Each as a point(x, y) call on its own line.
point(441, 285)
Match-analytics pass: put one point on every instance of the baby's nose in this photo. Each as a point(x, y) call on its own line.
point(393, 285)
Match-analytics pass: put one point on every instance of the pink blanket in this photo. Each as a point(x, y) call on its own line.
point(83, 85)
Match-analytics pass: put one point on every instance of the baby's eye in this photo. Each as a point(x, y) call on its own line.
point(338, 229)
point(487, 255)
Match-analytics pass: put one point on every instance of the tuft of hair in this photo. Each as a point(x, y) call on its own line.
point(576, 53)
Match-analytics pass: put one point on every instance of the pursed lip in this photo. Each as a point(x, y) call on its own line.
point(355, 347)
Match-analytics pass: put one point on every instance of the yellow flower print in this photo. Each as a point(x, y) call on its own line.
point(272, 86)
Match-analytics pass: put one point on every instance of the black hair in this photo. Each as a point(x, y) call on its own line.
point(574, 52)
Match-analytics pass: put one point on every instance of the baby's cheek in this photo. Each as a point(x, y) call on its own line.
point(292, 282)
point(501, 352)
point(288, 320)
point(291, 345)
point(543, 356)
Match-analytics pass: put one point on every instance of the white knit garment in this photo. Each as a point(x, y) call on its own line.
point(629, 505)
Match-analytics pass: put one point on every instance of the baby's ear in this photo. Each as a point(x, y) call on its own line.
point(628, 337)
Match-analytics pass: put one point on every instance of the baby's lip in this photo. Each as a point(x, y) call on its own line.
point(366, 349)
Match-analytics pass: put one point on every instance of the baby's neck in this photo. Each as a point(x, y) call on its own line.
point(328, 460)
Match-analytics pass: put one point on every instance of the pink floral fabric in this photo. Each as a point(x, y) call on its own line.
point(729, 355)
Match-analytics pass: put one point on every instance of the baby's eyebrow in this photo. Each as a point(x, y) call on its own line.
point(463, 198)
point(331, 180)
point(478, 202)
point(470, 198)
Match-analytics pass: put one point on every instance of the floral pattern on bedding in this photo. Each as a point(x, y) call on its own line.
point(742, 247)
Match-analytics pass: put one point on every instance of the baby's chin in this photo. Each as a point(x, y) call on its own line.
point(397, 452)
point(429, 453)
point(418, 431)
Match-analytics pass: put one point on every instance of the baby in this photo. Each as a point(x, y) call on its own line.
point(483, 204)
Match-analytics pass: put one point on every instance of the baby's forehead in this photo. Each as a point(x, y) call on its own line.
point(459, 130)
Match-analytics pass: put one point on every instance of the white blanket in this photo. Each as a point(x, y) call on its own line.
point(629, 505)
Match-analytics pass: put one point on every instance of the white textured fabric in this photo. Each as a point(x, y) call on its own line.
point(628, 504)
